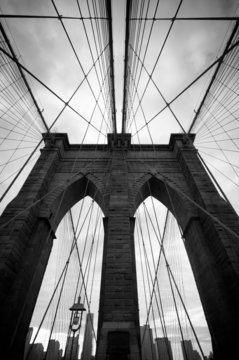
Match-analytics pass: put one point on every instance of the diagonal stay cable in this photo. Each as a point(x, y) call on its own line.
point(94, 109)
point(159, 91)
point(147, 216)
point(222, 150)
point(177, 314)
point(147, 44)
point(155, 280)
point(221, 172)
point(82, 273)
point(90, 46)
point(47, 308)
point(141, 107)
point(213, 217)
point(214, 75)
point(187, 87)
point(56, 312)
point(179, 123)
point(71, 178)
point(219, 159)
point(66, 104)
point(49, 89)
point(138, 38)
point(95, 260)
point(159, 55)
point(139, 46)
point(169, 270)
point(73, 245)
point(81, 208)
point(90, 254)
point(23, 76)
point(75, 53)
point(127, 39)
point(162, 249)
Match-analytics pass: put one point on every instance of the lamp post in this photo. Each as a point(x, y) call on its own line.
point(77, 310)
point(76, 317)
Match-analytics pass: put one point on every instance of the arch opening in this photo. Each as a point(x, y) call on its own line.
point(72, 271)
point(167, 195)
point(158, 315)
point(71, 194)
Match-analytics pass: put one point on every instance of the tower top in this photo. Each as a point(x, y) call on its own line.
point(119, 140)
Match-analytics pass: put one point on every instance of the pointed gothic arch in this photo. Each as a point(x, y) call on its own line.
point(65, 197)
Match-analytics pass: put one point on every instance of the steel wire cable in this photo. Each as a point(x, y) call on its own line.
point(222, 108)
point(95, 260)
point(126, 80)
point(216, 168)
point(76, 55)
point(158, 57)
point(219, 125)
point(75, 245)
point(233, 39)
point(96, 47)
point(223, 151)
point(157, 292)
point(181, 299)
point(83, 274)
point(169, 266)
point(173, 278)
point(137, 62)
point(195, 203)
point(152, 292)
point(53, 92)
point(66, 104)
point(78, 256)
point(161, 95)
point(131, 102)
point(137, 40)
point(16, 107)
point(87, 129)
point(90, 255)
point(24, 81)
point(89, 46)
point(186, 88)
point(147, 44)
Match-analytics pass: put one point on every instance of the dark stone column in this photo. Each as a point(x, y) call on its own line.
point(218, 288)
point(213, 253)
point(118, 314)
point(22, 296)
point(25, 245)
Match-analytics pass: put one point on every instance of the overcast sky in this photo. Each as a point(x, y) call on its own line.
point(46, 52)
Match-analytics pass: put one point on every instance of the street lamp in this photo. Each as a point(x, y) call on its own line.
point(76, 317)
point(77, 310)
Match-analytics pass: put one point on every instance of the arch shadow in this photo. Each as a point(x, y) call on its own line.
point(71, 194)
point(178, 205)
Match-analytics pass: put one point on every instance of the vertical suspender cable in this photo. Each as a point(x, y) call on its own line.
point(125, 92)
point(109, 21)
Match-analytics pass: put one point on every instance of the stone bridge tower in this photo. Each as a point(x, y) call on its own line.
point(119, 176)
